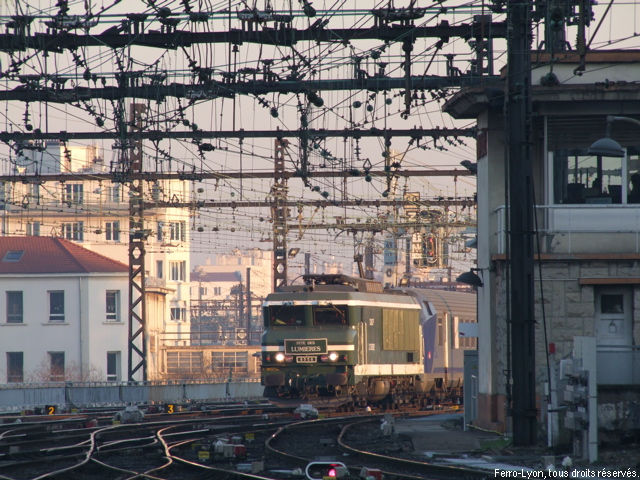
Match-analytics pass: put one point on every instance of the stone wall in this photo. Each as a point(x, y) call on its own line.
point(618, 412)
point(569, 309)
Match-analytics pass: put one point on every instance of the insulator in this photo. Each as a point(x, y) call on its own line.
point(315, 99)
point(308, 10)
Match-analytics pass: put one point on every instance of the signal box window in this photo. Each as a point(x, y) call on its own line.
point(330, 315)
point(285, 315)
point(583, 178)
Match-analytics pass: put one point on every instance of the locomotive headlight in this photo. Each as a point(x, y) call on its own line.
point(279, 357)
point(333, 356)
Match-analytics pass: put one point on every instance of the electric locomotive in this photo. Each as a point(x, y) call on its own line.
point(338, 334)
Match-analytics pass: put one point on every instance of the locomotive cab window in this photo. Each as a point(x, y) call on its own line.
point(284, 315)
point(330, 315)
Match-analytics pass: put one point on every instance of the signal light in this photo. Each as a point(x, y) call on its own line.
point(322, 470)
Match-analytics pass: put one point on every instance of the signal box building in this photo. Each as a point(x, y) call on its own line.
point(588, 228)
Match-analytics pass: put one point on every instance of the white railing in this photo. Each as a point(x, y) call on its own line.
point(575, 221)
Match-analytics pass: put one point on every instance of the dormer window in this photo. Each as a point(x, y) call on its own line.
point(13, 256)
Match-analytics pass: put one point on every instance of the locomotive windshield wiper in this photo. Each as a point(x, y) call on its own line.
point(337, 310)
point(340, 312)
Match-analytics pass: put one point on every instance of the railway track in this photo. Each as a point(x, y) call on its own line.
point(68, 448)
point(263, 442)
point(328, 440)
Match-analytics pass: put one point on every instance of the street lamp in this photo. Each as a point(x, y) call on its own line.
point(469, 165)
point(470, 278)
point(607, 146)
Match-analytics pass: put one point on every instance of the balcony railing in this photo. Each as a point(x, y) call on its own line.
point(576, 221)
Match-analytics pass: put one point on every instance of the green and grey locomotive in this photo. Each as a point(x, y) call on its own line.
point(343, 335)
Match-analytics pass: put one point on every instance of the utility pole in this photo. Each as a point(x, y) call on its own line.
point(520, 191)
point(248, 294)
point(137, 354)
point(199, 308)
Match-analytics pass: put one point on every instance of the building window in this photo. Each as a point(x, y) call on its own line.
point(73, 231)
point(113, 366)
point(35, 192)
point(178, 314)
point(114, 193)
point(223, 362)
point(56, 306)
point(74, 193)
point(14, 307)
point(178, 271)
point(15, 367)
point(56, 369)
point(159, 268)
point(217, 290)
point(33, 229)
point(112, 231)
point(160, 233)
point(582, 178)
point(177, 231)
point(113, 304)
point(181, 363)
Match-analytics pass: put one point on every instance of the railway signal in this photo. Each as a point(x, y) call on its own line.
point(323, 470)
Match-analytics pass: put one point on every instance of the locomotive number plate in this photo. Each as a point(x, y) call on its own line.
point(306, 346)
point(307, 359)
